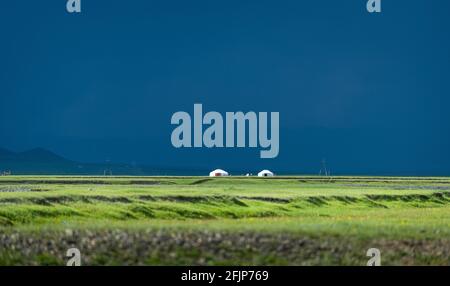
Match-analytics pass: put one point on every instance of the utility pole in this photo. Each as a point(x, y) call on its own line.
point(108, 170)
point(323, 169)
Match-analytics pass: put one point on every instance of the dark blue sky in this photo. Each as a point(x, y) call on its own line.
point(368, 92)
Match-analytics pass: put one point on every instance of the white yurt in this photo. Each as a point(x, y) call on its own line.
point(265, 173)
point(218, 173)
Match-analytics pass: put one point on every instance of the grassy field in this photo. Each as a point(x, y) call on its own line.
point(224, 221)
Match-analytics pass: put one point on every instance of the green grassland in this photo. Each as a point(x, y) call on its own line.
point(298, 220)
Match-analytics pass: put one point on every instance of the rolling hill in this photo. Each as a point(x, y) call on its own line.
point(40, 161)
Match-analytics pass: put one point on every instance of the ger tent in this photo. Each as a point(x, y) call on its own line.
point(265, 173)
point(218, 173)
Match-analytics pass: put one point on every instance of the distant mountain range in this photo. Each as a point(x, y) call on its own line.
point(40, 161)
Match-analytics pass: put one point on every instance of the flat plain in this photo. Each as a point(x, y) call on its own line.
point(296, 220)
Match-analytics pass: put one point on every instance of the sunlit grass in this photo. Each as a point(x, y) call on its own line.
point(355, 208)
